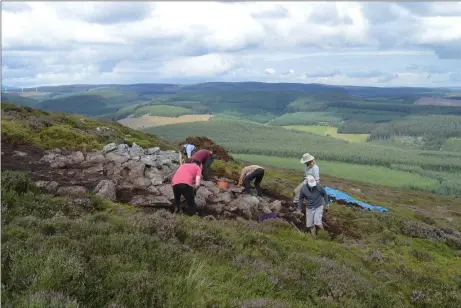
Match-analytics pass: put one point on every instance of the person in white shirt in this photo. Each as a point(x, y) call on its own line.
point(187, 150)
point(310, 168)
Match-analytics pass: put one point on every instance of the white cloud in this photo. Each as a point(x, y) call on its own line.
point(143, 41)
point(270, 71)
point(202, 66)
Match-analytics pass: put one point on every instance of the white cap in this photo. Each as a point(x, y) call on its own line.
point(311, 181)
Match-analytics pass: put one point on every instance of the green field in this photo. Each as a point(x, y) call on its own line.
point(366, 174)
point(452, 145)
point(329, 131)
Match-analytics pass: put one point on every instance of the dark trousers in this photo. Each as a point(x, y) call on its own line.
point(188, 193)
point(257, 175)
point(206, 166)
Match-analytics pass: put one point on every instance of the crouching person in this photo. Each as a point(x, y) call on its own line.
point(183, 184)
point(206, 158)
point(315, 195)
point(250, 173)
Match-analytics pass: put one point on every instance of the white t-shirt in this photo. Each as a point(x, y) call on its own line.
point(189, 148)
point(314, 171)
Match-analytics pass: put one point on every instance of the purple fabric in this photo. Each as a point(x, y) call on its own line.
point(267, 216)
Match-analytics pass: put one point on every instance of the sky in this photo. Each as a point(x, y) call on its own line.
point(339, 43)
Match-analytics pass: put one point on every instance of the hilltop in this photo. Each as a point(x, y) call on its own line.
point(89, 251)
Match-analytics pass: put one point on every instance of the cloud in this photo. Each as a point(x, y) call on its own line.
point(202, 66)
point(270, 71)
point(365, 43)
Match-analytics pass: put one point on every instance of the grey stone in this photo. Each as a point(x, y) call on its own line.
point(266, 209)
point(136, 150)
point(20, 154)
point(217, 208)
point(105, 189)
point(276, 206)
point(154, 150)
point(141, 183)
point(109, 148)
point(204, 193)
point(93, 158)
point(153, 190)
point(83, 202)
point(200, 201)
point(117, 157)
point(150, 160)
point(245, 204)
point(166, 190)
point(95, 170)
point(133, 170)
point(75, 191)
point(154, 175)
point(150, 200)
point(49, 186)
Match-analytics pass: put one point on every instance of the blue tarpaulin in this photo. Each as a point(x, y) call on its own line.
point(342, 196)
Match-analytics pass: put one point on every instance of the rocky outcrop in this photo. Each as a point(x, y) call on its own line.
point(141, 177)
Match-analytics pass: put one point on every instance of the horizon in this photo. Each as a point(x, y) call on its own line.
point(384, 45)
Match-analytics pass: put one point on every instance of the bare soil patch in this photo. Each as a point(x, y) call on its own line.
point(152, 121)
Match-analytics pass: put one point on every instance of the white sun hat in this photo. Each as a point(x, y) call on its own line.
point(311, 181)
point(307, 157)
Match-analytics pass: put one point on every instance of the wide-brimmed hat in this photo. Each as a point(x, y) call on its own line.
point(311, 181)
point(306, 158)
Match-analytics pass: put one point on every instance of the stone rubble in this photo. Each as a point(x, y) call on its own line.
point(141, 177)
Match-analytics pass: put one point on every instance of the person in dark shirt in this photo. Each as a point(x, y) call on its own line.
point(315, 195)
point(206, 158)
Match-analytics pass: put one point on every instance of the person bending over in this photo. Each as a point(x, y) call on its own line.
point(315, 195)
point(206, 158)
point(183, 184)
point(187, 150)
point(250, 173)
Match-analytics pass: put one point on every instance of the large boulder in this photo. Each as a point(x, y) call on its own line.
point(245, 204)
point(155, 175)
point(109, 148)
point(136, 151)
point(132, 170)
point(117, 157)
point(141, 183)
point(105, 189)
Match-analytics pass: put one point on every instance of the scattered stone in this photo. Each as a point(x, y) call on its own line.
point(49, 186)
point(136, 150)
point(151, 151)
point(276, 206)
point(75, 191)
point(109, 148)
point(105, 189)
point(83, 202)
point(18, 153)
point(166, 190)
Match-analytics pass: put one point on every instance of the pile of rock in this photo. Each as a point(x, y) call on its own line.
point(140, 177)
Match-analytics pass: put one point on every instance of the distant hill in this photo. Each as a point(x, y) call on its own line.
point(19, 100)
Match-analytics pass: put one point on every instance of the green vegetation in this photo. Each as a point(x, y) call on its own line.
point(330, 131)
point(162, 111)
point(452, 145)
point(18, 99)
point(107, 254)
point(366, 174)
point(250, 138)
point(47, 130)
point(306, 118)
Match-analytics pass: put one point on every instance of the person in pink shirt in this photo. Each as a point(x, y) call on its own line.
point(183, 184)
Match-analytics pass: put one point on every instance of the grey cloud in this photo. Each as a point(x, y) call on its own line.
point(329, 15)
point(111, 13)
point(322, 74)
point(425, 68)
point(15, 7)
point(432, 8)
point(388, 77)
point(449, 51)
point(378, 13)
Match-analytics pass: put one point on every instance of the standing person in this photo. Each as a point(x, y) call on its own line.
point(310, 168)
point(186, 149)
point(315, 195)
point(183, 184)
point(206, 158)
point(248, 174)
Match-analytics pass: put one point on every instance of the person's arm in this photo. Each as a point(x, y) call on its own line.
point(317, 174)
point(180, 158)
point(198, 177)
point(300, 199)
point(242, 175)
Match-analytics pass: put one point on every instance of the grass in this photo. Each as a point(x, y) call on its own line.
point(106, 254)
point(367, 174)
point(452, 145)
point(147, 121)
point(329, 131)
point(306, 118)
point(48, 130)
